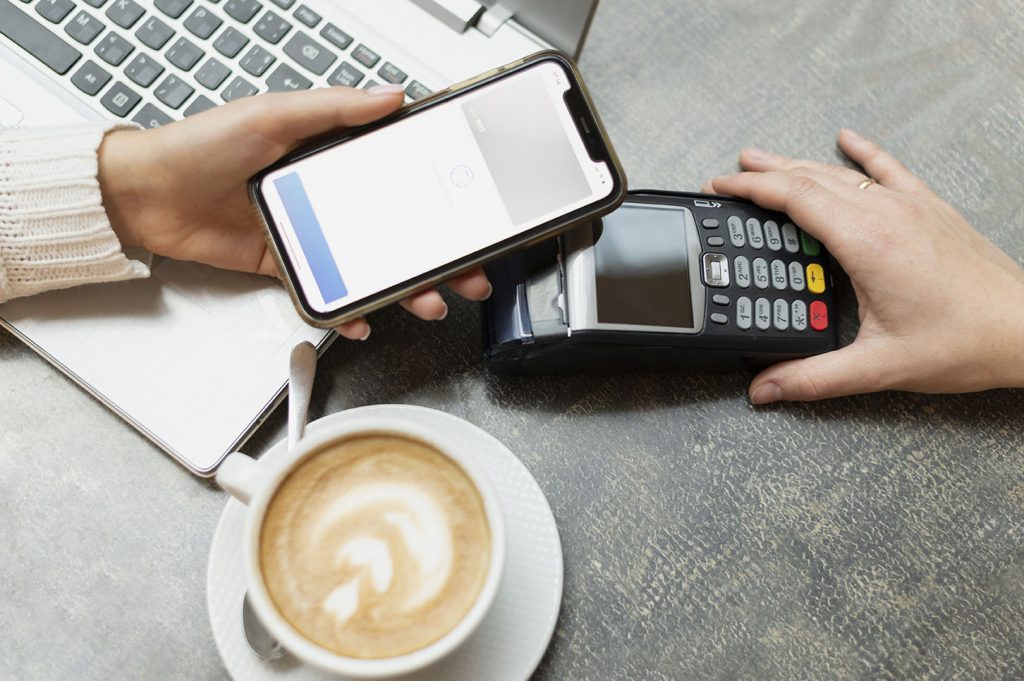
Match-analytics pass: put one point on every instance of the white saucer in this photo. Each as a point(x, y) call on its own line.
point(511, 640)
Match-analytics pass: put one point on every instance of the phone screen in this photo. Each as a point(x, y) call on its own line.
point(442, 184)
point(641, 268)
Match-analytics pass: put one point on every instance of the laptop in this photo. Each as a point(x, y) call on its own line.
point(195, 358)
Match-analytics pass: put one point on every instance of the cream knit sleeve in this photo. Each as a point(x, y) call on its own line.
point(54, 232)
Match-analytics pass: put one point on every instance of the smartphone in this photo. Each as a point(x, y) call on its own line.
point(500, 162)
point(669, 279)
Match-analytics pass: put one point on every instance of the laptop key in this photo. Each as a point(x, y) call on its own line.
point(154, 33)
point(173, 8)
point(271, 27)
point(370, 84)
point(286, 79)
point(113, 49)
point(143, 70)
point(237, 89)
point(211, 74)
point(336, 36)
point(120, 99)
point(392, 73)
point(417, 90)
point(230, 42)
point(307, 16)
point(94, 3)
point(242, 10)
point(184, 54)
point(309, 53)
point(202, 22)
point(345, 75)
point(125, 13)
point(151, 117)
point(90, 78)
point(84, 27)
point(54, 11)
point(199, 105)
point(365, 56)
point(284, 4)
point(257, 61)
point(173, 91)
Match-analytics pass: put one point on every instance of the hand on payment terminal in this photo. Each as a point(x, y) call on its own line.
point(668, 279)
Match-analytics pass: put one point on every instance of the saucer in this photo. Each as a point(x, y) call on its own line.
point(512, 638)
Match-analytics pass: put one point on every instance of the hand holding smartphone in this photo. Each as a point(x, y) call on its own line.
point(366, 218)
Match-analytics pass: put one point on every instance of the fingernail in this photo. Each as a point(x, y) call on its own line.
point(443, 314)
point(754, 152)
point(367, 334)
point(766, 393)
point(386, 89)
point(490, 290)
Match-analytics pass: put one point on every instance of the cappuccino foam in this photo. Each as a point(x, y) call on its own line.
point(375, 546)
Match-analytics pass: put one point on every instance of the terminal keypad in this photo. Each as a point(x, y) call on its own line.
point(778, 274)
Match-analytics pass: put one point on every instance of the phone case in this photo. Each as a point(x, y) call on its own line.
point(468, 263)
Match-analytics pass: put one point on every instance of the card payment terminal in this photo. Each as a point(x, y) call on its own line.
point(668, 279)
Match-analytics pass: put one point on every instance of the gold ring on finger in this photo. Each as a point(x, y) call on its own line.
point(867, 182)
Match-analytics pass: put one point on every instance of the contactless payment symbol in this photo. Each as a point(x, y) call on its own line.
point(461, 176)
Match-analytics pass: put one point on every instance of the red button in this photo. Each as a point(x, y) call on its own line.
point(819, 316)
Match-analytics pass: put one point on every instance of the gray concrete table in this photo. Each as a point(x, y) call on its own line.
point(870, 537)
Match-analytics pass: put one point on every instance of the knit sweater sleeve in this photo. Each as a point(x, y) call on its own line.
point(54, 231)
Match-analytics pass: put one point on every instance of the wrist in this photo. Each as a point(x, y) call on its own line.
point(120, 177)
point(1016, 340)
point(1004, 340)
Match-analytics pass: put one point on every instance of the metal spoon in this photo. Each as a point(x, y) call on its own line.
point(301, 371)
point(260, 641)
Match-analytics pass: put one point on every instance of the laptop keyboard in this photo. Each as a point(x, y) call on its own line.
point(154, 63)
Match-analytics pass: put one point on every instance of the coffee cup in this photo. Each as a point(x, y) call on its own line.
point(373, 548)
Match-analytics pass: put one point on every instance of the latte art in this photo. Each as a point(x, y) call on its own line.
point(375, 546)
point(423, 526)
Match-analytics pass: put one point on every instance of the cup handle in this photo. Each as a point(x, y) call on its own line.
point(240, 476)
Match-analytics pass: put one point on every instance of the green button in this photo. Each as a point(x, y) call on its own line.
point(809, 244)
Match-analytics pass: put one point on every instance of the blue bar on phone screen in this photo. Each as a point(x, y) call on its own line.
point(311, 237)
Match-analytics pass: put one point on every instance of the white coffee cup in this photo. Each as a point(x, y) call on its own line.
point(254, 483)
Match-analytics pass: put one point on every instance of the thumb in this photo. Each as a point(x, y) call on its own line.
point(288, 118)
point(847, 371)
point(296, 116)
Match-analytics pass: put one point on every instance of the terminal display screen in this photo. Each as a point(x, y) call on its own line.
point(642, 267)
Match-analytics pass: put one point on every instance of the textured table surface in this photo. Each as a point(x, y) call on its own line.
point(870, 537)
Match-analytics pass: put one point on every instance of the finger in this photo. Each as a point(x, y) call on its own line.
point(847, 371)
point(845, 190)
point(428, 305)
point(472, 285)
point(267, 265)
point(879, 164)
point(819, 210)
point(288, 118)
point(357, 329)
point(757, 159)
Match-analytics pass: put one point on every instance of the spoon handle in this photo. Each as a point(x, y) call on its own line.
point(302, 369)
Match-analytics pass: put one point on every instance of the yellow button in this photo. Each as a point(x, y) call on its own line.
point(815, 278)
